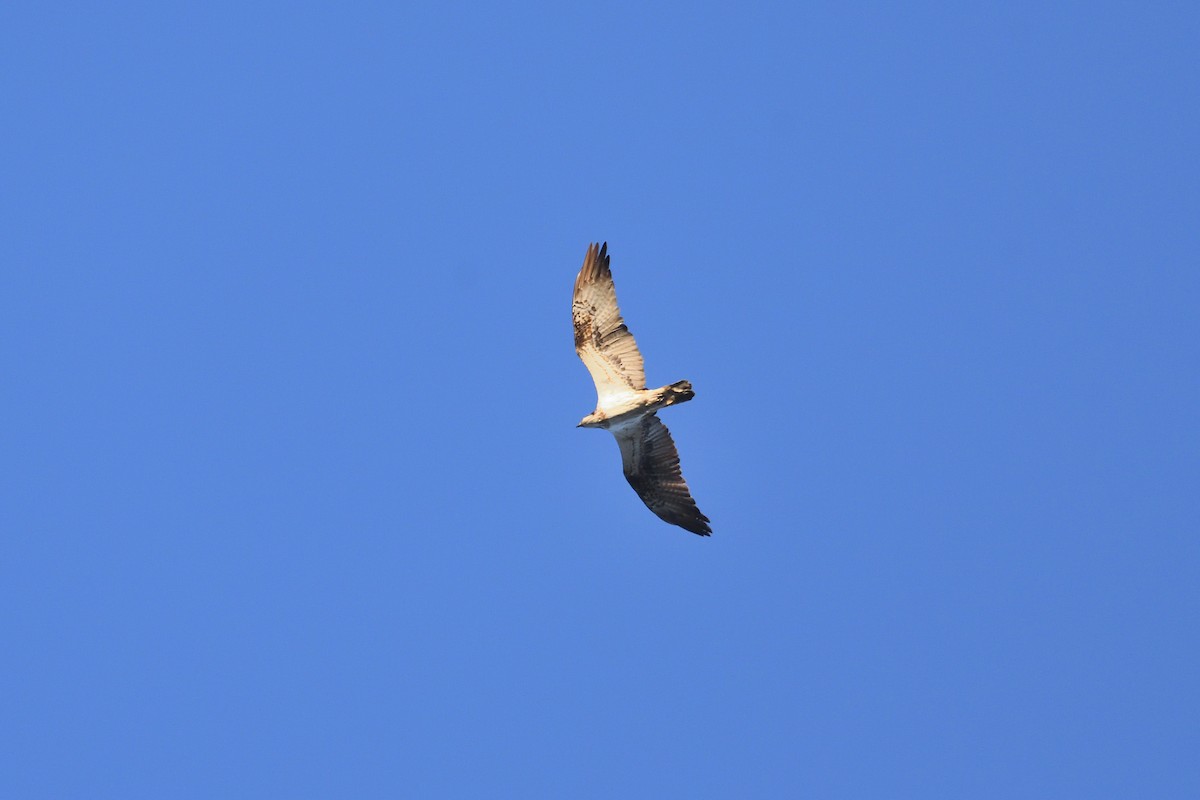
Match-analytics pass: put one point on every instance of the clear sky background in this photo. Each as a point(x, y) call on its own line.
point(294, 504)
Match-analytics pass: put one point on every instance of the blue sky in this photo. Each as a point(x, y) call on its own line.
point(294, 502)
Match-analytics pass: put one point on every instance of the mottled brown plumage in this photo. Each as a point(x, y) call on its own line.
point(602, 341)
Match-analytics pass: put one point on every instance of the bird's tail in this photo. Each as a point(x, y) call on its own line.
point(678, 392)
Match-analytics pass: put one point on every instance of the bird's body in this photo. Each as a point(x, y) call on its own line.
point(618, 412)
point(624, 406)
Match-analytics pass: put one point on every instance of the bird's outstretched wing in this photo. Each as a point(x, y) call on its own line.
point(651, 465)
point(602, 341)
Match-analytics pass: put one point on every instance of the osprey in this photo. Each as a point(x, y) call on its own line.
point(624, 406)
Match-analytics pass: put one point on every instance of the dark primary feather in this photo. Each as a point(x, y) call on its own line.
point(651, 465)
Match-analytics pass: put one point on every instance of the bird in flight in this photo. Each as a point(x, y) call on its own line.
point(624, 406)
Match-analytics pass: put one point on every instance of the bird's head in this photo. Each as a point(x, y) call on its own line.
point(590, 421)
